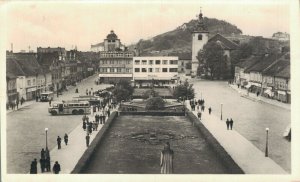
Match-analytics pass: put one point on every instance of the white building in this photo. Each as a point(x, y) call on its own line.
point(155, 70)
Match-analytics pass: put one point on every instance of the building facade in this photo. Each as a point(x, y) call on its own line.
point(155, 70)
point(115, 63)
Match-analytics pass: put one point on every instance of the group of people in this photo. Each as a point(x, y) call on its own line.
point(13, 105)
point(199, 104)
point(45, 163)
point(229, 123)
point(66, 140)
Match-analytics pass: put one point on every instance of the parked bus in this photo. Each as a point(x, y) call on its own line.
point(93, 100)
point(70, 107)
point(46, 96)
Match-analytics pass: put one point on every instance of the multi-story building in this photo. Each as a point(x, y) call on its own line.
point(115, 64)
point(155, 70)
point(283, 85)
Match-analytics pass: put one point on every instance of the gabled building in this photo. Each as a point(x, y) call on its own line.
point(283, 85)
point(53, 67)
point(12, 70)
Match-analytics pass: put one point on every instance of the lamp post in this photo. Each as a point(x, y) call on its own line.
point(267, 143)
point(221, 111)
point(46, 130)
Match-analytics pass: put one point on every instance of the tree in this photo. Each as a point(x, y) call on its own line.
point(213, 60)
point(123, 90)
point(184, 91)
point(155, 103)
point(149, 93)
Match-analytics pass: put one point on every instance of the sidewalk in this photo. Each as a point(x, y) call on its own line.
point(252, 96)
point(69, 155)
point(250, 159)
point(26, 103)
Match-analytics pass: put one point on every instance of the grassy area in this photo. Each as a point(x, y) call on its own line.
point(129, 147)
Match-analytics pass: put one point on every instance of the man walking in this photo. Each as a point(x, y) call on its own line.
point(42, 163)
point(56, 168)
point(66, 139)
point(209, 110)
point(231, 123)
point(58, 142)
point(50, 103)
point(227, 123)
point(17, 103)
point(43, 154)
point(87, 139)
point(199, 115)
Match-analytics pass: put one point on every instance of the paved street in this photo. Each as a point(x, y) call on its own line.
point(250, 118)
point(26, 128)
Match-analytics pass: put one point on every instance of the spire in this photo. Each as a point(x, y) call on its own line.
point(200, 24)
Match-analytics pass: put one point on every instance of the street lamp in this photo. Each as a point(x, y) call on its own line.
point(46, 130)
point(267, 144)
point(221, 111)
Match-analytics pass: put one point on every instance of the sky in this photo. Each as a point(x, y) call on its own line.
point(70, 23)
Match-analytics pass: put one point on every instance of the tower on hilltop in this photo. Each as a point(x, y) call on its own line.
point(199, 39)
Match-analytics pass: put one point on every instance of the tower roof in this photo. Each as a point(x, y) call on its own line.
point(201, 26)
point(112, 36)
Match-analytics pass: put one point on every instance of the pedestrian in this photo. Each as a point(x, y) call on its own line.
point(84, 125)
point(101, 118)
point(49, 102)
point(231, 123)
point(83, 118)
point(203, 108)
point(56, 168)
point(199, 115)
point(42, 164)
point(43, 154)
point(17, 103)
point(108, 113)
point(257, 94)
point(87, 139)
point(48, 164)
point(32, 171)
point(96, 125)
point(34, 166)
point(209, 110)
point(66, 139)
point(58, 142)
point(227, 123)
point(22, 100)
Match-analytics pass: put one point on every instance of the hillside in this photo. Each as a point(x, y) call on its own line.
point(179, 40)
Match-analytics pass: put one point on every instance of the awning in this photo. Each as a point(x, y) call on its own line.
point(281, 92)
point(269, 92)
point(248, 86)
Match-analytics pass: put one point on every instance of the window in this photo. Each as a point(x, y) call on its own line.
point(150, 70)
point(127, 62)
point(173, 70)
point(108, 70)
point(33, 82)
point(29, 82)
point(104, 70)
point(182, 64)
point(127, 70)
point(174, 62)
point(137, 62)
point(136, 69)
point(157, 70)
point(165, 70)
point(200, 37)
point(150, 61)
point(144, 70)
point(119, 70)
point(165, 61)
point(157, 62)
point(144, 62)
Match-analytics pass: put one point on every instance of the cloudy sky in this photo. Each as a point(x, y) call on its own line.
point(78, 23)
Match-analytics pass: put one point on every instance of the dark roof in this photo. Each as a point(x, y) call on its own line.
point(264, 63)
point(97, 45)
point(13, 68)
point(277, 67)
point(27, 63)
point(225, 43)
point(46, 60)
point(247, 63)
point(182, 55)
point(112, 36)
point(284, 73)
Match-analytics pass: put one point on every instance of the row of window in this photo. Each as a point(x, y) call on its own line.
point(144, 62)
point(115, 62)
point(115, 70)
point(150, 70)
point(29, 82)
point(111, 55)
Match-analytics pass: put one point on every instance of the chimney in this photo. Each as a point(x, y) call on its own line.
point(12, 47)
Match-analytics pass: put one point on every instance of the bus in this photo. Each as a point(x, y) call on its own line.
point(93, 100)
point(46, 96)
point(70, 107)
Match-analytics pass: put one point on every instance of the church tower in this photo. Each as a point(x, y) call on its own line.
point(199, 39)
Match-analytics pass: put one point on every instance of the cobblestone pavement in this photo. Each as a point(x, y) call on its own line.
point(26, 128)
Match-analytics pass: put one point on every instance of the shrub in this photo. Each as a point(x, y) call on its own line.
point(155, 103)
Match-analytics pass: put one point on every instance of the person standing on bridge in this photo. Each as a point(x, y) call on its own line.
point(87, 139)
point(227, 123)
point(231, 123)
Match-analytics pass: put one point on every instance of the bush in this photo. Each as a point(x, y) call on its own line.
point(149, 93)
point(155, 103)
